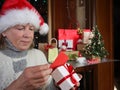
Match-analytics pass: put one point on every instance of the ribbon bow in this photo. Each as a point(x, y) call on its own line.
point(71, 72)
point(48, 46)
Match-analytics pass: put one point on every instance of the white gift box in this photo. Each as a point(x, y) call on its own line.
point(69, 42)
point(86, 36)
point(60, 74)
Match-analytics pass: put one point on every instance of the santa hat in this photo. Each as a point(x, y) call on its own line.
point(15, 12)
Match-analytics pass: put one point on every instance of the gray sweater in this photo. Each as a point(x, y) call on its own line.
point(12, 64)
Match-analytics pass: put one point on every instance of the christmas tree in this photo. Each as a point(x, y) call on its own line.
point(96, 47)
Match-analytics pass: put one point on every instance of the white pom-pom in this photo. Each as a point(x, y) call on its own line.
point(63, 47)
point(44, 29)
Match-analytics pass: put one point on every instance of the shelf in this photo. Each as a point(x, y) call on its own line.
point(96, 76)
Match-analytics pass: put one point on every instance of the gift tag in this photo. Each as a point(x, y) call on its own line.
point(60, 60)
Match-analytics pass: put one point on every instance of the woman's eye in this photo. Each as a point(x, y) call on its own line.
point(32, 29)
point(20, 28)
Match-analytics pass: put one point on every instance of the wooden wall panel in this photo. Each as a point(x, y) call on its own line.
point(105, 25)
point(60, 16)
point(105, 76)
point(104, 22)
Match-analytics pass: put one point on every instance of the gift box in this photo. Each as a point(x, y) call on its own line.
point(86, 36)
point(63, 73)
point(65, 77)
point(72, 54)
point(70, 36)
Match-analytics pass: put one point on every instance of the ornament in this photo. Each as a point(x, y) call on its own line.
point(80, 31)
point(64, 46)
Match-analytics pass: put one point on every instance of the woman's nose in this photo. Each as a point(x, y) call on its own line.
point(28, 32)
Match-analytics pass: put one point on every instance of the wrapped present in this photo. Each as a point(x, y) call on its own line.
point(64, 74)
point(70, 36)
point(63, 46)
point(93, 61)
point(72, 54)
point(86, 36)
point(65, 77)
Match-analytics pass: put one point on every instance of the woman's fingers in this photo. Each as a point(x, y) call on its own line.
point(77, 84)
point(42, 74)
point(39, 68)
point(80, 76)
point(36, 76)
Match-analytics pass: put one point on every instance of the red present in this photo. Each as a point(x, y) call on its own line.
point(70, 36)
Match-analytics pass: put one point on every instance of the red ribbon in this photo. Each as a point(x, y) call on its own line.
point(65, 43)
point(48, 46)
point(58, 61)
point(71, 71)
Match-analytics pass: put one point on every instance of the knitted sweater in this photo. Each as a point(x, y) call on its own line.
point(12, 65)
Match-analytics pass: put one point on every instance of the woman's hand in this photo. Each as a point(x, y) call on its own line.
point(32, 78)
point(78, 84)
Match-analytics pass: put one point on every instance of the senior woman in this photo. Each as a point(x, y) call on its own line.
point(21, 66)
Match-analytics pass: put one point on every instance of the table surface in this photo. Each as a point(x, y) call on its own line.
point(99, 76)
point(76, 63)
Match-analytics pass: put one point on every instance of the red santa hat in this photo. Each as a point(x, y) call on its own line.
point(15, 12)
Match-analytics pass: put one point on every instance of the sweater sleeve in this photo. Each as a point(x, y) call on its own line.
point(38, 58)
point(6, 75)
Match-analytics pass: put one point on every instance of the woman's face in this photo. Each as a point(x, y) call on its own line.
point(21, 36)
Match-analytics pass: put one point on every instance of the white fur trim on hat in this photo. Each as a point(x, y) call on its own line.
point(16, 16)
point(15, 12)
point(44, 29)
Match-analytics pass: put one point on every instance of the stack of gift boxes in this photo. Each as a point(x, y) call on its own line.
point(71, 43)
